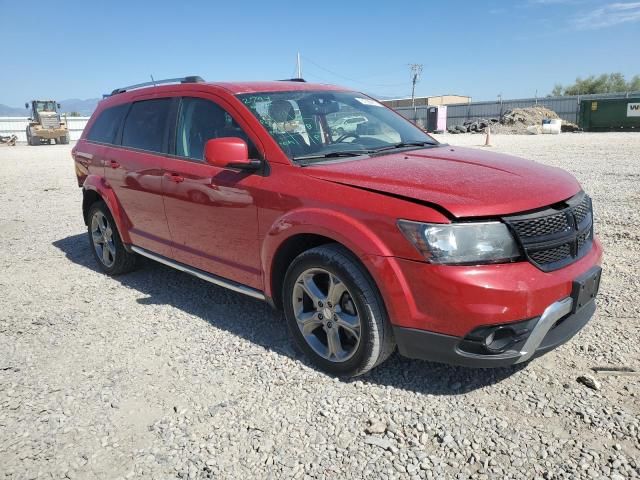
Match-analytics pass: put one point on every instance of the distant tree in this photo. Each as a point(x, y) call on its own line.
point(605, 83)
point(74, 114)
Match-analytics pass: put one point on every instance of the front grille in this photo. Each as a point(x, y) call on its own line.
point(551, 255)
point(537, 227)
point(556, 236)
point(49, 122)
point(582, 210)
point(584, 239)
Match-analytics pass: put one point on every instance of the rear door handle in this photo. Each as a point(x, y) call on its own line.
point(114, 164)
point(174, 177)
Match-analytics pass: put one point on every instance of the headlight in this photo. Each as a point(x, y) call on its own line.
point(486, 242)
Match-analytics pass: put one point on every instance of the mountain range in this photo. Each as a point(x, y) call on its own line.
point(84, 107)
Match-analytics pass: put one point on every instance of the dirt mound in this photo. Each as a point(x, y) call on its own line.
point(517, 120)
point(513, 122)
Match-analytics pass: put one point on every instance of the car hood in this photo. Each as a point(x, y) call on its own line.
point(464, 181)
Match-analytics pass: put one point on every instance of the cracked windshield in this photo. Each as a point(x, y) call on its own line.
point(318, 125)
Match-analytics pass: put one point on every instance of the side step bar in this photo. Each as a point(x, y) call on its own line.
point(221, 282)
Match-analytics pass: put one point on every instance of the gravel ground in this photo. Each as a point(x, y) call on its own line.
point(159, 375)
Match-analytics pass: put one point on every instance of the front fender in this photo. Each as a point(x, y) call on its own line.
point(99, 185)
point(347, 230)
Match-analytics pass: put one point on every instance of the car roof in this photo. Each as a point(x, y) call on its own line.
point(273, 86)
point(233, 88)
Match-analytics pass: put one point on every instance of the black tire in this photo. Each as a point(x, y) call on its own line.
point(33, 140)
point(376, 335)
point(64, 140)
point(123, 261)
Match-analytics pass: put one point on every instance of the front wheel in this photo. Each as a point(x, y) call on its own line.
point(335, 313)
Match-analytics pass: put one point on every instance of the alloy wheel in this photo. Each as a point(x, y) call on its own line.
point(102, 238)
point(326, 315)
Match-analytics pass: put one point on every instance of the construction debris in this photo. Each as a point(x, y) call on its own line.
point(10, 140)
point(514, 122)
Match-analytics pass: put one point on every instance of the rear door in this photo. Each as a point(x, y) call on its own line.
point(89, 153)
point(135, 170)
point(211, 211)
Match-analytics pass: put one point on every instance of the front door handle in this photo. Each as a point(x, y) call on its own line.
point(114, 164)
point(174, 177)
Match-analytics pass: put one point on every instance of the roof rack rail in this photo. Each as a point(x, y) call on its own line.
point(189, 79)
point(293, 80)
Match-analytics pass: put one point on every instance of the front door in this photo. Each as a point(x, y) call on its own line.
point(211, 211)
point(135, 171)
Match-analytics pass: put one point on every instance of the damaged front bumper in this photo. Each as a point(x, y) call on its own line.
point(511, 343)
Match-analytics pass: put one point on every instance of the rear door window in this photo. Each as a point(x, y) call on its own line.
point(106, 126)
point(145, 125)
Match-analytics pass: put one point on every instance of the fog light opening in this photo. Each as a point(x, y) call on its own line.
point(499, 339)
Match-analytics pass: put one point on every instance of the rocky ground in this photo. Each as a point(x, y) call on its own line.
point(159, 375)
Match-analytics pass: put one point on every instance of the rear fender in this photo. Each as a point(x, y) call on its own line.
point(97, 184)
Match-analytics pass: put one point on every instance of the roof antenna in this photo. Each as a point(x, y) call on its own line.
point(298, 67)
point(154, 82)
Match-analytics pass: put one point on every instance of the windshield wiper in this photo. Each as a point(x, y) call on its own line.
point(355, 153)
point(405, 144)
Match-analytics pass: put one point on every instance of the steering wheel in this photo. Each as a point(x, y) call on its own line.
point(342, 138)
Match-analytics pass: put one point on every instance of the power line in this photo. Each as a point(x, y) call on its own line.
point(352, 79)
point(313, 76)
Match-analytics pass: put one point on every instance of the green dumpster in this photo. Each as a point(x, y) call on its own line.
point(610, 114)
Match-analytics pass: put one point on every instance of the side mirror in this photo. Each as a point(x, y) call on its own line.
point(229, 152)
point(26, 105)
point(58, 105)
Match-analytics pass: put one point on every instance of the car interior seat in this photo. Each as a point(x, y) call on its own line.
point(281, 111)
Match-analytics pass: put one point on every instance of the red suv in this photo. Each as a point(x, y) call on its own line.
point(367, 240)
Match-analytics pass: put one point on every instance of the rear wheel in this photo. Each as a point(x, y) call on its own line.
point(106, 244)
point(64, 140)
point(334, 312)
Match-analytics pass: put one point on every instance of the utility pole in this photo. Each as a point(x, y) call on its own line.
point(298, 67)
point(416, 71)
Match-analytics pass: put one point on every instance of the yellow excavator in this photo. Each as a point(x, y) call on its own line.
point(46, 123)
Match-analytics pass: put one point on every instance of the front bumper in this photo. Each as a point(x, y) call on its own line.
point(454, 300)
point(438, 311)
point(554, 327)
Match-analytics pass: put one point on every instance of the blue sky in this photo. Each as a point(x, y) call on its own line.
point(478, 48)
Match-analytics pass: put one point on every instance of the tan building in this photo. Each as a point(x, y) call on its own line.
point(427, 101)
